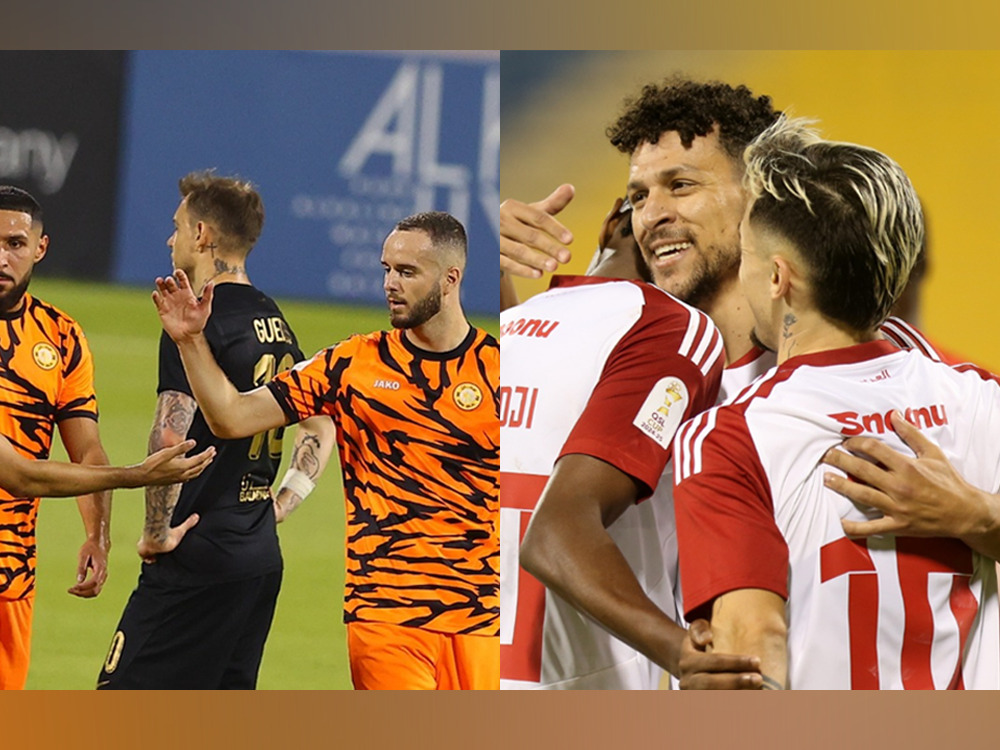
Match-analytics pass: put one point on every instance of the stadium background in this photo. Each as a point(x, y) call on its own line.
point(933, 112)
point(341, 146)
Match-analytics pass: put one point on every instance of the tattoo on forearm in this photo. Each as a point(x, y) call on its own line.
point(772, 684)
point(305, 456)
point(174, 415)
point(178, 414)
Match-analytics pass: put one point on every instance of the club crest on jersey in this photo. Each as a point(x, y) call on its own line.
point(45, 355)
point(663, 410)
point(467, 396)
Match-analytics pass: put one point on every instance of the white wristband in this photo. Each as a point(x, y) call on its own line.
point(298, 482)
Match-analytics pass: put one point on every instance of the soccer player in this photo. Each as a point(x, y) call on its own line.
point(203, 606)
point(827, 244)
point(685, 141)
point(417, 431)
point(46, 381)
point(597, 375)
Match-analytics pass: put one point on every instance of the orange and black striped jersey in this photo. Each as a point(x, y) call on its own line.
point(46, 376)
point(418, 435)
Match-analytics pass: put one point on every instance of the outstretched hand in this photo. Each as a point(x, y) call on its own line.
point(182, 314)
point(170, 465)
point(920, 495)
point(531, 240)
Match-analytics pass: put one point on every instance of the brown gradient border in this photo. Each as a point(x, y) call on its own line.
point(511, 720)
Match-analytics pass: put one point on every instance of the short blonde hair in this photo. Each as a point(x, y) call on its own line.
point(850, 210)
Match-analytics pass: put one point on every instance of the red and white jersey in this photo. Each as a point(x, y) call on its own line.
point(752, 512)
point(608, 369)
point(744, 371)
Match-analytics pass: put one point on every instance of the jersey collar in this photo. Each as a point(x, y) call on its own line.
point(848, 355)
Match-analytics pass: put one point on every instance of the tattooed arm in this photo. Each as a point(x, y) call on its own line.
point(752, 621)
point(313, 445)
point(174, 415)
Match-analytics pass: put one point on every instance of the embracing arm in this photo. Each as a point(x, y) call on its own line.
point(921, 495)
point(229, 413)
point(567, 547)
point(752, 621)
point(313, 444)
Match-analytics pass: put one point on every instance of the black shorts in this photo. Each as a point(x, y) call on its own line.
point(195, 638)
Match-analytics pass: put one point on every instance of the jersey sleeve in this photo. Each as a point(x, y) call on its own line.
point(310, 387)
point(76, 395)
point(727, 537)
point(665, 369)
point(171, 370)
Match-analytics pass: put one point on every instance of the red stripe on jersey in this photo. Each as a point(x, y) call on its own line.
point(520, 491)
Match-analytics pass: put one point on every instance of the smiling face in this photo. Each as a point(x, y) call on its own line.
point(687, 205)
point(22, 245)
point(412, 282)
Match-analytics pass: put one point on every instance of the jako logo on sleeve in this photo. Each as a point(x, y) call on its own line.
point(923, 417)
point(663, 410)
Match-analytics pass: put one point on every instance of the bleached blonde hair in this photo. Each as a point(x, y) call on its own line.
point(850, 210)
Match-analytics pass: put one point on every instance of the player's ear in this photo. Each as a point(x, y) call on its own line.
point(43, 247)
point(781, 277)
point(200, 234)
point(452, 277)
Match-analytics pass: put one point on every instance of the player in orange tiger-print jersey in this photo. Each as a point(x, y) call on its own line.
point(418, 434)
point(46, 380)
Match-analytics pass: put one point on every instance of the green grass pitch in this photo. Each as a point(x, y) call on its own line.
point(306, 648)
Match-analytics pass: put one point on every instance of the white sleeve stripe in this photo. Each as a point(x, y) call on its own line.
point(689, 431)
point(706, 365)
point(694, 323)
point(751, 389)
point(706, 339)
point(696, 447)
point(912, 338)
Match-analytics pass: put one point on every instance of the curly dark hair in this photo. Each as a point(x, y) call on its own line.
point(692, 108)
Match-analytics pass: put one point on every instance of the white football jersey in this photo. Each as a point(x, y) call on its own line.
point(608, 369)
point(753, 512)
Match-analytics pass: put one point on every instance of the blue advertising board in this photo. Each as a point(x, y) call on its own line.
point(341, 146)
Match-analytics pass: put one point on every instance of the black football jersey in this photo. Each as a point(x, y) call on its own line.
point(235, 537)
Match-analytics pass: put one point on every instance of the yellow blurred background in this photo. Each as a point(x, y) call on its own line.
point(936, 113)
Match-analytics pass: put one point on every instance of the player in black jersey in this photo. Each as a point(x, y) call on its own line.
point(202, 609)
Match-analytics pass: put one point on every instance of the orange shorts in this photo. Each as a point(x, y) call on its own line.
point(15, 642)
point(396, 657)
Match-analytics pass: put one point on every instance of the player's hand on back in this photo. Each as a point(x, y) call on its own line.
point(182, 314)
point(920, 495)
point(698, 669)
point(170, 465)
point(532, 241)
point(149, 546)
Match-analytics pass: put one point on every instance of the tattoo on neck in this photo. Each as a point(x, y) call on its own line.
point(771, 684)
point(222, 267)
point(789, 321)
point(212, 246)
